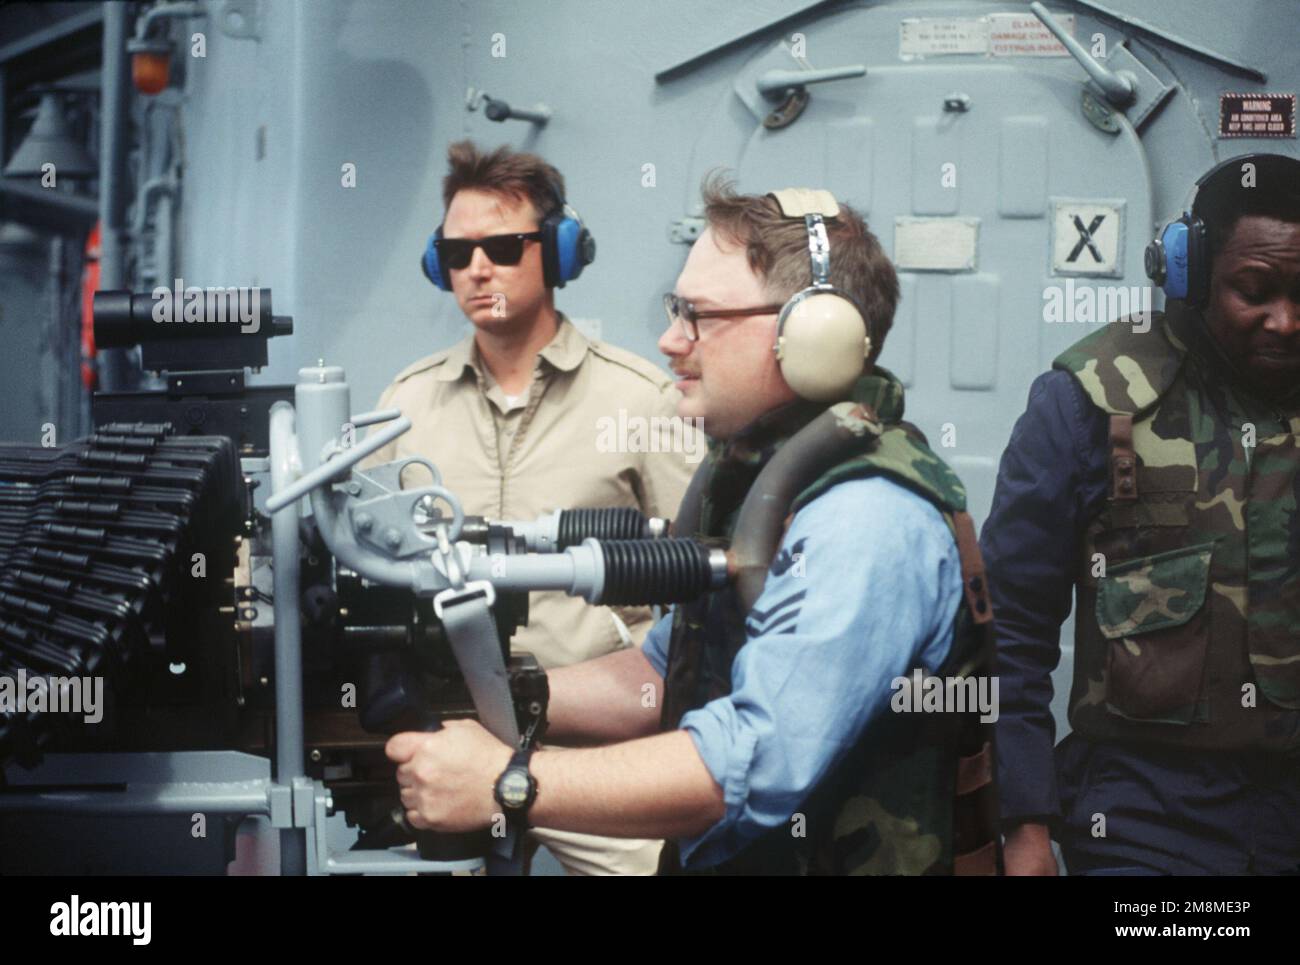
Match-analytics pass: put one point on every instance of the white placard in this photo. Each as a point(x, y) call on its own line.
point(935, 244)
point(998, 34)
point(1086, 237)
point(937, 36)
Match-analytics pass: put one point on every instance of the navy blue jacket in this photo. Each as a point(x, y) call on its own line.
point(1051, 483)
point(1167, 810)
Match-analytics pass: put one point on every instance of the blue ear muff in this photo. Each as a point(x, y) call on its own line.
point(1166, 259)
point(429, 264)
point(1176, 261)
point(567, 248)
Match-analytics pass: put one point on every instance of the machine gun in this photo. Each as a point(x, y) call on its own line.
point(344, 609)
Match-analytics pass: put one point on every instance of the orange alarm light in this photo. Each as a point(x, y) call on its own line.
point(149, 71)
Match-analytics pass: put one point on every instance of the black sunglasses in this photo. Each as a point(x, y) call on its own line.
point(500, 249)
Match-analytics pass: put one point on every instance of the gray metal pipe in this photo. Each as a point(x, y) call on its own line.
point(1119, 87)
point(185, 8)
point(289, 736)
point(775, 83)
point(345, 549)
point(114, 114)
point(161, 185)
point(216, 797)
point(578, 571)
point(375, 417)
point(393, 862)
point(163, 190)
point(164, 240)
point(316, 476)
point(43, 208)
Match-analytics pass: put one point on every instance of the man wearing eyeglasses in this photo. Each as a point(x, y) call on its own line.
point(513, 415)
point(777, 742)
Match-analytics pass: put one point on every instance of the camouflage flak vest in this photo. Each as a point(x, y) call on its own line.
point(915, 795)
point(1188, 616)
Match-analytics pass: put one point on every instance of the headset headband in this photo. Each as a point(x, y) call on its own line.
point(819, 250)
point(814, 205)
point(798, 202)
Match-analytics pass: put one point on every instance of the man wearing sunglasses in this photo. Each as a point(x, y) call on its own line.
point(775, 742)
point(512, 415)
point(502, 250)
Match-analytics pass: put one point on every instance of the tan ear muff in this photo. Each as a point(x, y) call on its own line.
point(821, 345)
point(822, 338)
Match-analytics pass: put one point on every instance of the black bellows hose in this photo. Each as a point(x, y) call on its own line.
point(654, 571)
point(610, 522)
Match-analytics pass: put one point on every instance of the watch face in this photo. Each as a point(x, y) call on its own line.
point(515, 787)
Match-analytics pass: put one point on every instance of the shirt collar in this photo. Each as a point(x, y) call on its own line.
point(459, 357)
point(564, 353)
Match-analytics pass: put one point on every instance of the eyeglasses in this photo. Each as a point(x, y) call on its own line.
point(500, 249)
point(683, 313)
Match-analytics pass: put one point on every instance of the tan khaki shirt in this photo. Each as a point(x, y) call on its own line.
point(565, 445)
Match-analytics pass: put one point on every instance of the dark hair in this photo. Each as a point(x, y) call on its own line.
point(515, 174)
point(777, 250)
point(1223, 200)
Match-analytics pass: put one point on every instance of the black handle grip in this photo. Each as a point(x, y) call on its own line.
point(397, 707)
point(439, 845)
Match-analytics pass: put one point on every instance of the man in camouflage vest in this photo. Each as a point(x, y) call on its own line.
point(788, 714)
point(1155, 471)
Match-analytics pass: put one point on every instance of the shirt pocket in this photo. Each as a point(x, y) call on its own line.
point(1154, 614)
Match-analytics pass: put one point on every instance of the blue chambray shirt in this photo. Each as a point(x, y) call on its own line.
point(866, 586)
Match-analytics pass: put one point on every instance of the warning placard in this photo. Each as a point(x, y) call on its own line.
point(1257, 115)
point(1020, 35)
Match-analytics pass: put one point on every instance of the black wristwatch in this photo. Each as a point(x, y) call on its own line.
point(516, 788)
